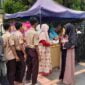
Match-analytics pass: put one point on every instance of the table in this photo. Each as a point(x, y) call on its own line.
point(55, 55)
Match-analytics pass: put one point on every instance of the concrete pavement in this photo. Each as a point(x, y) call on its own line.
point(52, 79)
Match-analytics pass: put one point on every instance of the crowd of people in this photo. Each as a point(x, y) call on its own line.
point(26, 49)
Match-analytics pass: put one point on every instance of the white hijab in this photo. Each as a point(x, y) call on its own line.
point(44, 32)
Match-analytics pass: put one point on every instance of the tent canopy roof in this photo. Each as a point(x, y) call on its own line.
point(48, 8)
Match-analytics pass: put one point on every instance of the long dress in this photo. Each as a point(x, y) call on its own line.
point(70, 67)
point(45, 65)
point(70, 56)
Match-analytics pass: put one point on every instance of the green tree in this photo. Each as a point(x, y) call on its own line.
point(8, 6)
point(67, 3)
point(82, 5)
point(27, 3)
point(74, 4)
point(11, 6)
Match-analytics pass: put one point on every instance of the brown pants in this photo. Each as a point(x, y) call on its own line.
point(32, 65)
point(20, 67)
point(11, 69)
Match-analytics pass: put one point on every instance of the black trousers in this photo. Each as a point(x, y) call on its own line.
point(32, 65)
point(11, 68)
point(63, 63)
point(20, 67)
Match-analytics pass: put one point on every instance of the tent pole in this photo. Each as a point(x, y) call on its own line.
point(40, 20)
point(40, 17)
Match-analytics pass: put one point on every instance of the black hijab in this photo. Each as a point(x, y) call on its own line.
point(72, 37)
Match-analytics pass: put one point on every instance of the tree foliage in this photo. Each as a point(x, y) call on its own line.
point(74, 4)
point(11, 6)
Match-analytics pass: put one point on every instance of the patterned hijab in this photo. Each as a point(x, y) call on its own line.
point(44, 32)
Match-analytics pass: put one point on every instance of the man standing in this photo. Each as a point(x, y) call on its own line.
point(9, 53)
point(20, 50)
point(31, 38)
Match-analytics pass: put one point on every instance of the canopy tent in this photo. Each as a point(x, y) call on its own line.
point(48, 8)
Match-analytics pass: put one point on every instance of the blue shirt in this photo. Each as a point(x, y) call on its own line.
point(52, 33)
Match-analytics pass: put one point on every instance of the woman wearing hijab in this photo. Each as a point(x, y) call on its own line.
point(68, 76)
point(44, 50)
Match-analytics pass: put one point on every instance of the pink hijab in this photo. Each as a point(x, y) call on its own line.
point(27, 25)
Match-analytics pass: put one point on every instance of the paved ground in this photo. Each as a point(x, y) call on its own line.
point(52, 79)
